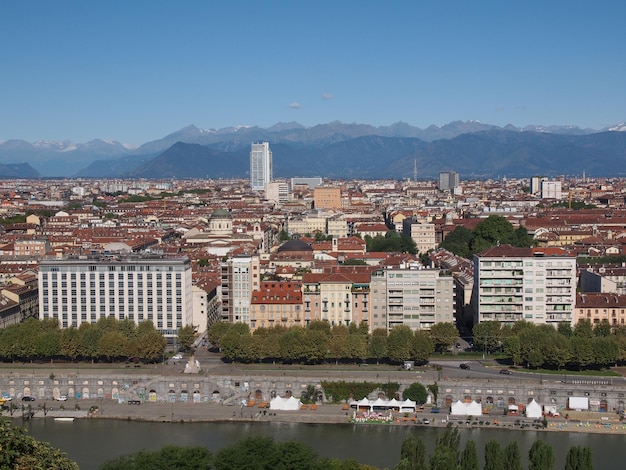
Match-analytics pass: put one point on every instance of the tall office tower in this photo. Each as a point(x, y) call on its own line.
point(448, 180)
point(260, 166)
point(76, 290)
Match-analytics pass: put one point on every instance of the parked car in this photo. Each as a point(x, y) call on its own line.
point(28, 399)
point(177, 356)
point(506, 372)
point(465, 366)
point(435, 410)
point(134, 402)
point(62, 398)
point(426, 421)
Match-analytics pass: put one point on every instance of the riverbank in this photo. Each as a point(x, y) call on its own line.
point(324, 414)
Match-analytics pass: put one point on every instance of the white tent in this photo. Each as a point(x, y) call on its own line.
point(466, 409)
point(289, 404)
point(533, 409)
point(474, 409)
point(380, 403)
point(407, 405)
point(365, 403)
point(393, 403)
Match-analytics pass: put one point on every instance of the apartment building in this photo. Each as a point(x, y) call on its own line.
point(277, 303)
point(339, 297)
point(83, 289)
point(533, 284)
point(327, 197)
point(598, 307)
point(421, 232)
point(241, 276)
point(418, 298)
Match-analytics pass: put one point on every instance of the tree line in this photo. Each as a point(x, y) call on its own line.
point(320, 342)
point(585, 346)
point(270, 455)
point(107, 340)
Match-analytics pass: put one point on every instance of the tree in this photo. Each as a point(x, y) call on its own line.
point(579, 458)
point(112, 344)
point(494, 458)
point(18, 450)
point(377, 346)
point(186, 337)
point(513, 349)
point(422, 347)
point(443, 459)
point(183, 458)
point(493, 230)
point(512, 457)
point(216, 332)
point(540, 456)
point(416, 392)
point(413, 451)
point(451, 439)
point(487, 335)
point(469, 457)
point(444, 335)
point(399, 344)
point(602, 329)
point(583, 329)
point(458, 242)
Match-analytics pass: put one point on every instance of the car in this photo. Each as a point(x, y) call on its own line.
point(458, 345)
point(177, 356)
point(134, 402)
point(506, 372)
point(28, 399)
point(61, 398)
point(426, 421)
point(435, 410)
point(465, 366)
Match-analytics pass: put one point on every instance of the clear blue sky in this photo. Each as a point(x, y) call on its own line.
point(134, 71)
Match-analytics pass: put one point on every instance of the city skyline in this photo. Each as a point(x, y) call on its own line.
point(135, 72)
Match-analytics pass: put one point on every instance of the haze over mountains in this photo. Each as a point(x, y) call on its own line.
point(334, 150)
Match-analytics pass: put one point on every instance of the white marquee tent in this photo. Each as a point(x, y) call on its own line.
point(289, 404)
point(533, 409)
point(466, 409)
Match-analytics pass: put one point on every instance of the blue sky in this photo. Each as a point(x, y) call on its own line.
point(134, 71)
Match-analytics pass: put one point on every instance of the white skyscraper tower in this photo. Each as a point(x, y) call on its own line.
point(260, 166)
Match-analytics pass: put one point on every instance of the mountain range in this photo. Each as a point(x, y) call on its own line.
point(333, 150)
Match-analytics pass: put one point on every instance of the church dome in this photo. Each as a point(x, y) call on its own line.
point(221, 214)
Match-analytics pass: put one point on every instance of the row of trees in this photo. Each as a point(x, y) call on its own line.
point(448, 456)
point(582, 347)
point(267, 454)
point(319, 342)
point(109, 339)
point(491, 231)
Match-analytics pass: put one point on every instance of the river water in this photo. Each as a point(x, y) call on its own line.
point(91, 442)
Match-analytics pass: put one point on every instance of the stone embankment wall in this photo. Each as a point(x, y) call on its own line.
point(603, 394)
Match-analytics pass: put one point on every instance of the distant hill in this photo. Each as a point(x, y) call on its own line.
point(481, 154)
point(17, 170)
point(331, 150)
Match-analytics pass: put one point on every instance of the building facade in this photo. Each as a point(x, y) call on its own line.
point(260, 166)
point(418, 298)
point(241, 275)
point(327, 197)
point(139, 288)
point(533, 284)
point(448, 180)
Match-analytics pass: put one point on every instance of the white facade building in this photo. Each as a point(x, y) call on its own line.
point(241, 276)
point(418, 298)
point(138, 288)
point(533, 284)
point(260, 166)
point(551, 189)
point(277, 192)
